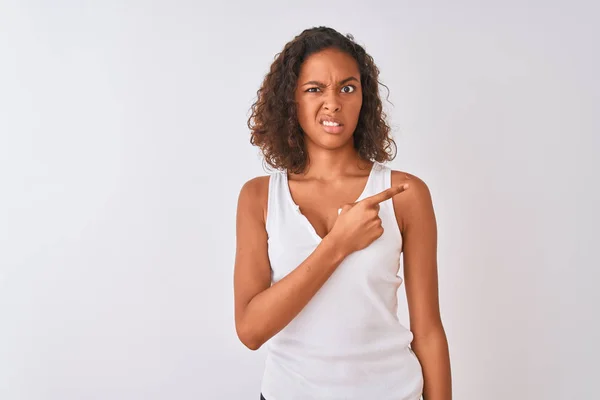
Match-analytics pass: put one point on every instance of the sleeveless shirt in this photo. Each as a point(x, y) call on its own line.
point(347, 342)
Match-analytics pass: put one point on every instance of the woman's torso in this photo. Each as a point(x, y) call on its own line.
point(347, 343)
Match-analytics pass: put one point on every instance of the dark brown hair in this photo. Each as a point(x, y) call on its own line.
point(274, 124)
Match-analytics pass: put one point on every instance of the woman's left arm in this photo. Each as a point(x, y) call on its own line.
point(417, 222)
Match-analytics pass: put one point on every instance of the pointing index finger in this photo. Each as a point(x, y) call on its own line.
point(385, 195)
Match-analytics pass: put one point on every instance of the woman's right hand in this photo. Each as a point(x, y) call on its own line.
point(358, 225)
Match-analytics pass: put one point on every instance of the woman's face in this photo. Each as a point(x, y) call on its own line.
point(329, 97)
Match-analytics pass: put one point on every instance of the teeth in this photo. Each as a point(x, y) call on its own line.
point(329, 123)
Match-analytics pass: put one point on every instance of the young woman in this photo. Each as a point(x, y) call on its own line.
point(319, 241)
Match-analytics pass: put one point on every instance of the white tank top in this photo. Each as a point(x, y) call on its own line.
point(347, 343)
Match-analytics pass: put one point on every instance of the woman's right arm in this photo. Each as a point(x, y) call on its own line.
point(262, 310)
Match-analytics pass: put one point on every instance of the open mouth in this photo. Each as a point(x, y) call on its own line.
point(332, 127)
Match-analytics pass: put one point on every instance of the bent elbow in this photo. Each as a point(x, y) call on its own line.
point(252, 345)
point(249, 339)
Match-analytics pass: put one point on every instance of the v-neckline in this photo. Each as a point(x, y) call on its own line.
point(309, 225)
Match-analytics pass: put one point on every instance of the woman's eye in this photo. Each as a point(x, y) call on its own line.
point(315, 89)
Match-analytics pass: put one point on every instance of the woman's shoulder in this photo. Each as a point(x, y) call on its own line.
point(413, 201)
point(418, 189)
point(254, 195)
point(256, 185)
point(400, 177)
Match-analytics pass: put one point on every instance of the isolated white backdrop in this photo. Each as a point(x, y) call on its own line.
point(123, 146)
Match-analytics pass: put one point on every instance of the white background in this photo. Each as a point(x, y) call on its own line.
point(123, 146)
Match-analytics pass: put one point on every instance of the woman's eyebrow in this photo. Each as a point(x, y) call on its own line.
point(321, 84)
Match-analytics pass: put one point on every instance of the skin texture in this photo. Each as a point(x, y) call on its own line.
point(334, 179)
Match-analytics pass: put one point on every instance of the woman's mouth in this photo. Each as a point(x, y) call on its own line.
point(332, 127)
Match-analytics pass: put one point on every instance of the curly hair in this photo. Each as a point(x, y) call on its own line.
point(274, 123)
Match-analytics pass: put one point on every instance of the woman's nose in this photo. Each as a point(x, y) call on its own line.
point(332, 103)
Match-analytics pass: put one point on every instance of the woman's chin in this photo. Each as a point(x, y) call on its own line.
point(332, 142)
